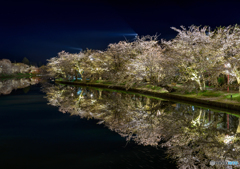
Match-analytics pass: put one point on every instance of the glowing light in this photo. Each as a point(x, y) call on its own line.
point(228, 139)
point(227, 65)
point(79, 92)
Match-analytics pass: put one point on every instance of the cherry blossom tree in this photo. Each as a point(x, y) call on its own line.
point(6, 66)
point(62, 65)
point(145, 64)
point(229, 38)
point(194, 53)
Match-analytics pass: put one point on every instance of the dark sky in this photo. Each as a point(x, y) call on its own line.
point(39, 30)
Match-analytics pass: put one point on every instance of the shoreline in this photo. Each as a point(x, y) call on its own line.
point(213, 105)
point(16, 76)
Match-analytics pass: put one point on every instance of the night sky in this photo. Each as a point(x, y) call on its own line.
point(39, 30)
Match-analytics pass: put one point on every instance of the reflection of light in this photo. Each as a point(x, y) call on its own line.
point(193, 108)
point(91, 95)
point(207, 124)
point(228, 65)
point(79, 92)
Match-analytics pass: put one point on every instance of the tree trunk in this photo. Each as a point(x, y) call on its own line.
point(199, 83)
point(238, 129)
point(238, 80)
point(204, 85)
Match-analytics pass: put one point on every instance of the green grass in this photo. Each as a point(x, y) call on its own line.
point(123, 83)
point(98, 81)
point(107, 82)
point(206, 93)
point(152, 87)
point(59, 79)
point(148, 86)
point(158, 88)
point(235, 96)
point(193, 92)
point(210, 93)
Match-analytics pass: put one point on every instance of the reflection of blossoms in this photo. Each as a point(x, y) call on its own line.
point(196, 145)
point(7, 86)
point(193, 136)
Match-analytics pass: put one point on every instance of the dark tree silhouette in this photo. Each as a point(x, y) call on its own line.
point(25, 61)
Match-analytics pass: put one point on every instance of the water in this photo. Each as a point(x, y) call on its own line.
point(58, 126)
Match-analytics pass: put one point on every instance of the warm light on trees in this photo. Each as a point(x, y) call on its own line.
point(229, 38)
point(6, 67)
point(194, 53)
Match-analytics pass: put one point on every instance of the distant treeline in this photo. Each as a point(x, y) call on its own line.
point(8, 68)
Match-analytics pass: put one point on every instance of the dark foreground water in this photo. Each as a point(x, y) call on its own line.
point(56, 127)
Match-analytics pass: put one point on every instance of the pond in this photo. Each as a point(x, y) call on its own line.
point(57, 126)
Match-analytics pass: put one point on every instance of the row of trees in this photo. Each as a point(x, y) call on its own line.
point(194, 56)
point(6, 67)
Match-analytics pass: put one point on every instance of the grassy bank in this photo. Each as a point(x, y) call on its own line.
point(223, 96)
point(219, 100)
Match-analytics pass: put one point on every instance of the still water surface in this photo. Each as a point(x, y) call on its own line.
point(56, 126)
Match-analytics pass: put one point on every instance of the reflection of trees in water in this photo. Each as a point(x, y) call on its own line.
point(194, 136)
point(195, 140)
point(7, 86)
